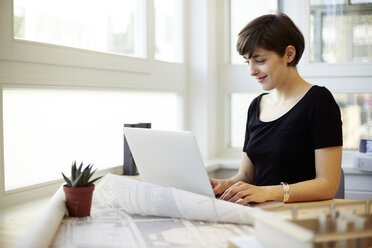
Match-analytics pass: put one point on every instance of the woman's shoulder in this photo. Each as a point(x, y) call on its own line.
point(320, 90)
point(320, 94)
point(320, 100)
point(257, 100)
point(254, 106)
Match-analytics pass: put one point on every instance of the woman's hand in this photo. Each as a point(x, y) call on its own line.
point(219, 186)
point(243, 193)
point(246, 173)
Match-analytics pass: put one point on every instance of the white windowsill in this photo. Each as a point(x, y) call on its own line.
point(233, 164)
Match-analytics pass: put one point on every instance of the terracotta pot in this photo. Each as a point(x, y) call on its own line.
point(78, 200)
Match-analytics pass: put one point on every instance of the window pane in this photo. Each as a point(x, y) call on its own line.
point(356, 113)
point(239, 110)
point(168, 30)
point(46, 129)
point(116, 26)
point(242, 12)
point(341, 33)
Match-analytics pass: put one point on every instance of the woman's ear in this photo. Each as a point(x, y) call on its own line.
point(290, 53)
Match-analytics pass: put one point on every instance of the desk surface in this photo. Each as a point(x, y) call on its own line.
point(15, 221)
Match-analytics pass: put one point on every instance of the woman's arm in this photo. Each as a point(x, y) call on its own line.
point(326, 183)
point(247, 171)
point(246, 174)
point(324, 186)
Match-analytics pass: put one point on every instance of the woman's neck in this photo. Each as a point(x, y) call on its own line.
point(292, 87)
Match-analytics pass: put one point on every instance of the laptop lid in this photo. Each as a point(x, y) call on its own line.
point(169, 158)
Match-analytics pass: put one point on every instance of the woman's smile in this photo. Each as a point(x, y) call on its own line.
point(260, 79)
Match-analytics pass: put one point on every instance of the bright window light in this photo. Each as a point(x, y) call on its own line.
point(356, 114)
point(115, 26)
point(168, 30)
point(46, 129)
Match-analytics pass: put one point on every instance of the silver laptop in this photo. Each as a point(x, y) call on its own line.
point(169, 158)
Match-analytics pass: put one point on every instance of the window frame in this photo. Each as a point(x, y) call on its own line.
point(38, 52)
point(341, 9)
point(28, 64)
point(319, 69)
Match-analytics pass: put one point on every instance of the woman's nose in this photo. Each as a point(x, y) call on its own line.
point(253, 69)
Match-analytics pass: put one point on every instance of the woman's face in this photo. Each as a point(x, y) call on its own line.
point(268, 68)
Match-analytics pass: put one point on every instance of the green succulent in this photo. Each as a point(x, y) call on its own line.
point(80, 177)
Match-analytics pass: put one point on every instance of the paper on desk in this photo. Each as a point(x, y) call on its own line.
point(114, 227)
point(135, 197)
point(130, 213)
point(138, 197)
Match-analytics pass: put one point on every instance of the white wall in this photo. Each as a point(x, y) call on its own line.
point(202, 80)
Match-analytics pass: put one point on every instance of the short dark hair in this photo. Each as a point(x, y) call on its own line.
point(273, 33)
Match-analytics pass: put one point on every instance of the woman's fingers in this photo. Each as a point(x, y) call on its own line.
point(237, 191)
point(243, 193)
point(218, 186)
point(240, 192)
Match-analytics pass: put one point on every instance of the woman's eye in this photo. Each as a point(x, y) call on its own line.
point(260, 61)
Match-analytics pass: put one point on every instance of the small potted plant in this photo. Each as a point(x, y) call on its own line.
point(79, 190)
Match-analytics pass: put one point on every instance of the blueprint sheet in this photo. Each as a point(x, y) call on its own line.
point(132, 213)
point(116, 228)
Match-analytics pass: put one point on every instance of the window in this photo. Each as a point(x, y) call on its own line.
point(114, 26)
point(356, 113)
point(242, 12)
point(168, 30)
point(341, 31)
point(72, 74)
point(46, 129)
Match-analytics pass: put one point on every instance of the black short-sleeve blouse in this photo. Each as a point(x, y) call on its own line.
point(282, 150)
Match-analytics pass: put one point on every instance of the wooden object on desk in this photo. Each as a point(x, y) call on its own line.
point(300, 210)
point(335, 223)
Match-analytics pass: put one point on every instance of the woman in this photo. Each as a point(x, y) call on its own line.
point(293, 142)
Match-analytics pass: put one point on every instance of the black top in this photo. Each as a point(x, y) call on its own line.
point(283, 150)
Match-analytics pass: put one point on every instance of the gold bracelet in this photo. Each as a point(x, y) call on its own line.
point(286, 191)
